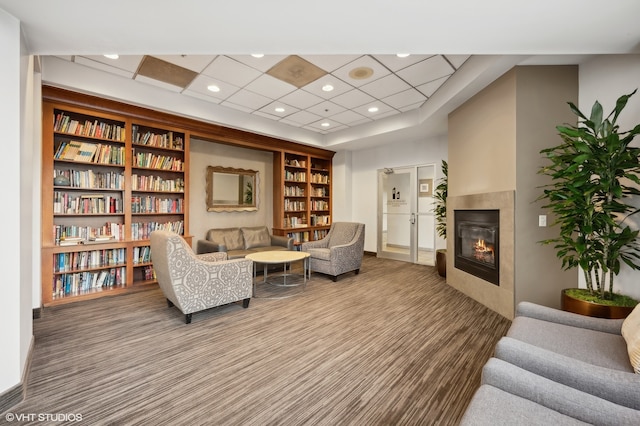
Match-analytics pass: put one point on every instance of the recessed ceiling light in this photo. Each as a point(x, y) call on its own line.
point(373, 109)
point(112, 56)
point(257, 55)
point(402, 55)
point(279, 109)
point(327, 87)
point(325, 124)
point(213, 88)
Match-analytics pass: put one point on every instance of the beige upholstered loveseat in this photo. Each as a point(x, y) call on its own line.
point(239, 242)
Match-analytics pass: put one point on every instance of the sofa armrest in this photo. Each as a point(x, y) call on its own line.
point(314, 244)
point(206, 246)
point(282, 241)
point(532, 310)
point(556, 396)
point(619, 387)
point(217, 256)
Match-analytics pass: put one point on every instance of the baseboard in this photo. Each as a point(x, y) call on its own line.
point(16, 394)
point(12, 397)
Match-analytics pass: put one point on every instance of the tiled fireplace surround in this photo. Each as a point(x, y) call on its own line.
point(499, 298)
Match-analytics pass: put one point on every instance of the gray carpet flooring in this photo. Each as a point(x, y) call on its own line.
point(394, 345)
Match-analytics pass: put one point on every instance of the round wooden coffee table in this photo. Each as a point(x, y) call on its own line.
point(284, 258)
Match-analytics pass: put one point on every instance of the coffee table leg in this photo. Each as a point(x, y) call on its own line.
point(255, 277)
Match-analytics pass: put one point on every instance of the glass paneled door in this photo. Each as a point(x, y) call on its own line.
point(406, 225)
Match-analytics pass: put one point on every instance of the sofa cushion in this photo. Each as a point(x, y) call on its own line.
point(631, 333)
point(230, 237)
point(256, 236)
point(320, 253)
point(594, 347)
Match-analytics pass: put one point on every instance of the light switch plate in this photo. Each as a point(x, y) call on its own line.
point(542, 220)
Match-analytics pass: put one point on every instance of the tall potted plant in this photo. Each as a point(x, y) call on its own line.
point(594, 172)
point(440, 213)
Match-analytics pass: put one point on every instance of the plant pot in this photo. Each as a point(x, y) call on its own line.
point(582, 307)
point(441, 262)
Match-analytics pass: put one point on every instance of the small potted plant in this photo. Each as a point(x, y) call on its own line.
point(440, 213)
point(594, 172)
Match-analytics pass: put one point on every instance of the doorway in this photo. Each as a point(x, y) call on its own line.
point(406, 223)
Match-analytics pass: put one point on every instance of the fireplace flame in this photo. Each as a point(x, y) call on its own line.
point(483, 251)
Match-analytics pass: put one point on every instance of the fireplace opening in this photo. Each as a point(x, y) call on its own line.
point(477, 243)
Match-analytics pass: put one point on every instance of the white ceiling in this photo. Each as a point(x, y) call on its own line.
point(396, 85)
point(215, 39)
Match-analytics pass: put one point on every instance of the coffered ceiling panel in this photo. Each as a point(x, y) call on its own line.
point(342, 90)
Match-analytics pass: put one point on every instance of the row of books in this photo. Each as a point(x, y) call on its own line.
point(142, 230)
point(85, 152)
point(295, 222)
point(319, 191)
point(96, 129)
point(83, 282)
point(74, 261)
point(319, 234)
point(293, 162)
point(319, 205)
point(320, 220)
point(148, 273)
point(319, 178)
point(161, 162)
point(293, 191)
point(294, 205)
point(299, 237)
point(67, 203)
point(141, 254)
point(156, 183)
point(303, 236)
point(152, 204)
point(68, 235)
point(163, 140)
point(295, 176)
point(92, 180)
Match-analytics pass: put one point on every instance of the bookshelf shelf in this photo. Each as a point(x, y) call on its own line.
point(127, 177)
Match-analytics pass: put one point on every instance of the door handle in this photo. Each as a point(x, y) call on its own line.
point(412, 220)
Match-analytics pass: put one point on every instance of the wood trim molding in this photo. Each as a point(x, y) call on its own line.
point(202, 130)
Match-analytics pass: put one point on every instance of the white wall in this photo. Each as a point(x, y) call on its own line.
point(15, 303)
point(364, 176)
point(605, 78)
point(204, 154)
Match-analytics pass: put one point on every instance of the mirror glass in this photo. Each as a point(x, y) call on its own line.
point(230, 189)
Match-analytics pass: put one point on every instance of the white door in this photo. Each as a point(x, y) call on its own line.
point(406, 226)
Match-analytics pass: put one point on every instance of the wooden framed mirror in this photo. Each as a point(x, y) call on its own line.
point(230, 189)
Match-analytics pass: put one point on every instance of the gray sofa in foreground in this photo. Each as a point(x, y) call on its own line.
point(239, 242)
point(556, 367)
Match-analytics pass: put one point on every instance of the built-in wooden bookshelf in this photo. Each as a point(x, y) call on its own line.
point(108, 180)
point(141, 182)
point(302, 195)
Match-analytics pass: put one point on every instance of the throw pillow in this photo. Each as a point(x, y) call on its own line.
point(257, 236)
point(230, 237)
point(631, 334)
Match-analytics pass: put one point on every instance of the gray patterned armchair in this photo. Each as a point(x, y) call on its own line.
point(339, 252)
point(193, 282)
